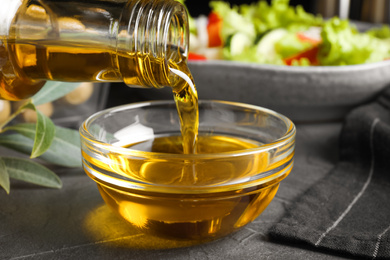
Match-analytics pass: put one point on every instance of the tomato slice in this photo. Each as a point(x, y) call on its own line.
point(214, 28)
point(303, 38)
point(194, 56)
point(310, 54)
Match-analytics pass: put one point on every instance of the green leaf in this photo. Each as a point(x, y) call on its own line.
point(289, 45)
point(64, 150)
point(342, 44)
point(233, 21)
point(4, 177)
point(28, 105)
point(44, 135)
point(257, 20)
point(18, 143)
point(26, 129)
point(32, 172)
point(53, 90)
point(381, 33)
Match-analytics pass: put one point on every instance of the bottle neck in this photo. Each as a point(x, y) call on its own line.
point(157, 34)
point(136, 41)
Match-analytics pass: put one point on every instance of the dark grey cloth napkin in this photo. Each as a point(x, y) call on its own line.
point(349, 210)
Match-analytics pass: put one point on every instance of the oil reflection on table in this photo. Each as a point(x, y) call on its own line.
point(105, 227)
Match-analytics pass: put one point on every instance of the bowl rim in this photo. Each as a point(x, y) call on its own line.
point(84, 133)
point(293, 69)
point(126, 184)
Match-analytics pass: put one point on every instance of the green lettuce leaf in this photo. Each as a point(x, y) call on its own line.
point(279, 14)
point(344, 45)
point(233, 21)
point(257, 20)
point(290, 45)
point(381, 33)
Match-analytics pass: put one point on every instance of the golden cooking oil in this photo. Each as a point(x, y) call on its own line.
point(189, 215)
point(139, 42)
point(144, 43)
point(208, 171)
point(133, 41)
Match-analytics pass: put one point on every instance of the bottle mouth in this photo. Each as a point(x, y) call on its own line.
point(158, 33)
point(174, 36)
point(172, 39)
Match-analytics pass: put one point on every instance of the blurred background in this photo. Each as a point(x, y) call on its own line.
point(362, 10)
point(371, 11)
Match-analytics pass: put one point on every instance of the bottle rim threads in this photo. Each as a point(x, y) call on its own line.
point(156, 29)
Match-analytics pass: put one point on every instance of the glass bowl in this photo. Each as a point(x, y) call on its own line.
point(244, 151)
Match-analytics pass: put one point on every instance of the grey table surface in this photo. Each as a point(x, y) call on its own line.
point(74, 223)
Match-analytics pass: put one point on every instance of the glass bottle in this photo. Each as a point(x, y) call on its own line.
point(134, 41)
